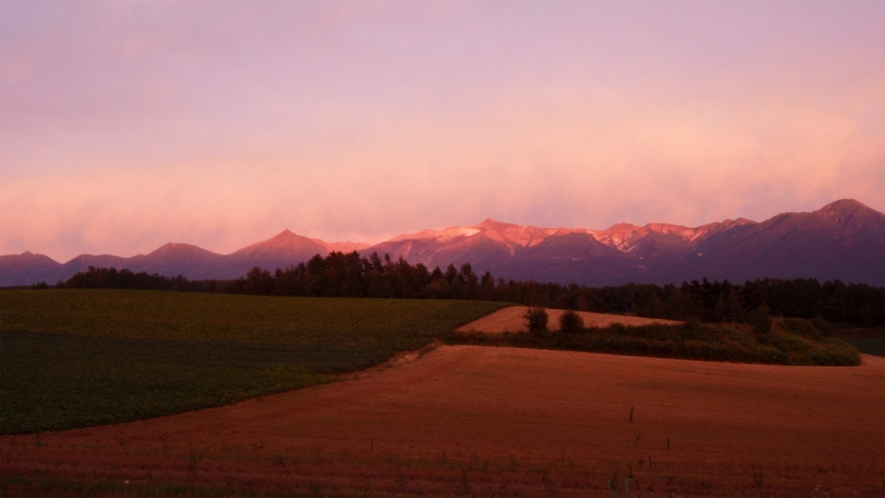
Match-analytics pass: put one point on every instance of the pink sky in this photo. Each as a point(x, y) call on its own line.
point(126, 125)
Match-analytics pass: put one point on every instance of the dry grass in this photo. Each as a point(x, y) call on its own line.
point(511, 320)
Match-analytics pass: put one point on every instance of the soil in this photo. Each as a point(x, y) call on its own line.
point(511, 320)
point(483, 421)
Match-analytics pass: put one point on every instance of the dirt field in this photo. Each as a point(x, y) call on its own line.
point(475, 421)
point(511, 320)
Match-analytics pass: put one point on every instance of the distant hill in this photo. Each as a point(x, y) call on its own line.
point(26, 268)
point(281, 251)
point(843, 240)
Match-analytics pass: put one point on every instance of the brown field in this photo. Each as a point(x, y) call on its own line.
point(482, 421)
point(511, 320)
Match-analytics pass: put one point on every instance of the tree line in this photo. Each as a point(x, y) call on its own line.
point(351, 275)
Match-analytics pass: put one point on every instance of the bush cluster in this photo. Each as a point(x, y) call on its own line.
point(790, 342)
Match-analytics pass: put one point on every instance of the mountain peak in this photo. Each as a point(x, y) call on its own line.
point(285, 237)
point(850, 203)
point(283, 248)
point(178, 248)
point(170, 246)
point(492, 224)
point(855, 216)
point(844, 208)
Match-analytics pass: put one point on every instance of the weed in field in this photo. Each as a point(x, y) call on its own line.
point(758, 477)
point(628, 480)
point(706, 484)
point(192, 460)
point(315, 489)
point(613, 484)
point(553, 489)
point(464, 484)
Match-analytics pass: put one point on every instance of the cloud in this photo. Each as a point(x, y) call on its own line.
point(125, 126)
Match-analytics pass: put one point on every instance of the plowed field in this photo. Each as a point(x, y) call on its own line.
point(480, 421)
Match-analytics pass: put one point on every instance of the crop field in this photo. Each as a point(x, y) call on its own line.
point(481, 421)
point(448, 420)
point(75, 358)
point(511, 320)
point(790, 341)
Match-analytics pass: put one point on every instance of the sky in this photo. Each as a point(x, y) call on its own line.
point(126, 125)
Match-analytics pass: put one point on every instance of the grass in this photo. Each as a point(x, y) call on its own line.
point(232, 318)
point(791, 342)
point(76, 358)
point(47, 393)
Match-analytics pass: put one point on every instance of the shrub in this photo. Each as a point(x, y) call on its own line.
point(536, 319)
point(571, 322)
point(695, 341)
point(760, 319)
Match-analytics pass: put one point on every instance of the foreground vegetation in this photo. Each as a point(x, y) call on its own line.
point(82, 357)
point(495, 422)
point(75, 358)
point(784, 341)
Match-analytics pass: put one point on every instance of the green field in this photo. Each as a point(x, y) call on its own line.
point(75, 358)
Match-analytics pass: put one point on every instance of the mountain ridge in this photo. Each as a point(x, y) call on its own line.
point(844, 239)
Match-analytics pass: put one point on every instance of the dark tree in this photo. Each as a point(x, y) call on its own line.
point(536, 319)
point(571, 322)
point(760, 319)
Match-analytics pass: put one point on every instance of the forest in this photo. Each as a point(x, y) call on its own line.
point(351, 275)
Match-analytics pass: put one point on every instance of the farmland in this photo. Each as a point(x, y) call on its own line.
point(448, 420)
point(788, 341)
point(479, 421)
point(89, 357)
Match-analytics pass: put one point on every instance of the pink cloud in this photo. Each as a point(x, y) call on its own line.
point(125, 126)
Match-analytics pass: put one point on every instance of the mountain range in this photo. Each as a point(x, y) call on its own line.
point(843, 240)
